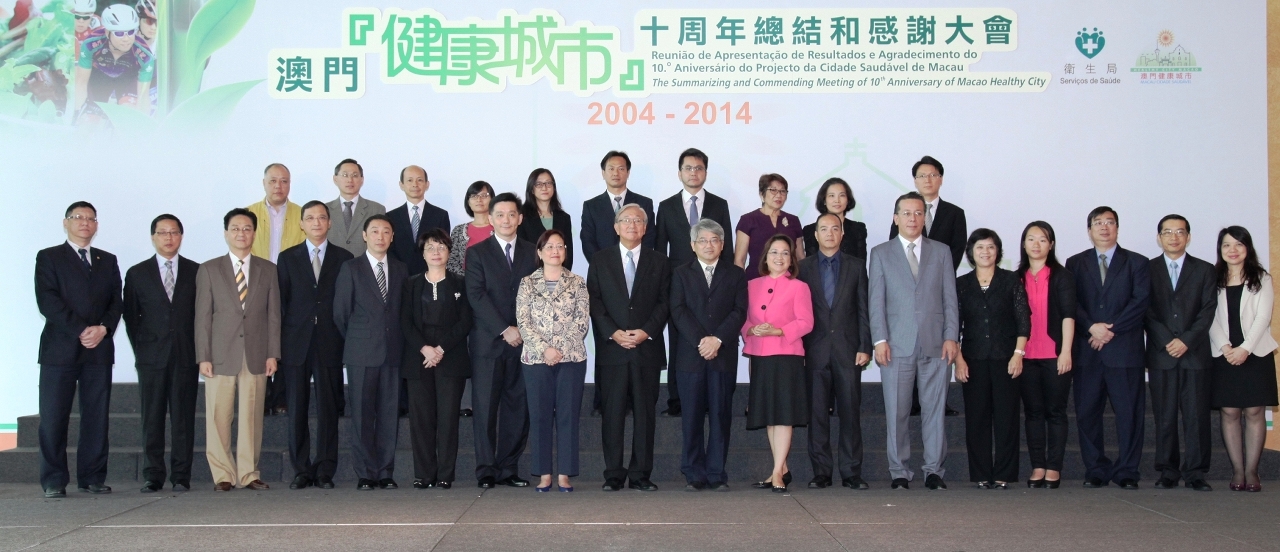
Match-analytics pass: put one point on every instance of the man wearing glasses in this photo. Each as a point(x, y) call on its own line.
point(114, 66)
point(85, 13)
point(350, 210)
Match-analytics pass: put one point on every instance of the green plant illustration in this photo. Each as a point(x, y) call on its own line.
point(36, 58)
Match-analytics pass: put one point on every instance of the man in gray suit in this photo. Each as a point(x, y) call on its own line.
point(915, 323)
point(350, 210)
point(237, 330)
point(366, 309)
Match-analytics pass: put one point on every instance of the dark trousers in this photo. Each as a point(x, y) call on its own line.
point(433, 424)
point(1094, 385)
point(1044, 400)
point(708, 394)
point(1185, 391)
point(500, 418)
point(841, 388)
point(375, 405)
point(639, 385)
point(328, 385)
point(991, 421)
point(277, 392)
point(58, 386)
point(169, 388)
point(555, 402)
point(673, 375)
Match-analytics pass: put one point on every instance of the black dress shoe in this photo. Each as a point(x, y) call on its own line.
point(152, 486)
point(420, 484)
point(611, 485)
point(720, 487)
point(948, 411)
point(915, 410)
point(1094, 483)
point(300, 481)
point(444, 485)
point(1199, 485)
point(1166, 483)
point(819, 482)
point(1129, 484)
point(900, 483)
point(55, 492)
point(695, 486)
point(387, 483)
point(182, 486)
point(935, 483)
point(514, 481)
point(856, 483)
point(642, 485)
point(465, 413)
point(486, 483)
point(96, 488)
point(366, 485)
point(1035, 483)
point(325, 482)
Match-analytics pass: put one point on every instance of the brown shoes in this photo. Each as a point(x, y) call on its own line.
point(258, 485)
point(223, 487)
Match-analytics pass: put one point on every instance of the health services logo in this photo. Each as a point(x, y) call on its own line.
point(1090, 43)
point(1168, 63)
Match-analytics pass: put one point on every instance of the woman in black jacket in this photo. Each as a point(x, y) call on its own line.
point(836, 197)
point(542, 212)
point(435, 317)
point(994, 325)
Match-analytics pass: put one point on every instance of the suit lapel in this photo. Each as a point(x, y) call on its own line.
point(1114, 265)
point(843, 280)
point(157, 281)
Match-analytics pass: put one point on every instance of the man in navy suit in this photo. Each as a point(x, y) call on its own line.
point(1112, 289)
point(160, 317)
point(78, 293)
point(311, 346)
point(414, 218)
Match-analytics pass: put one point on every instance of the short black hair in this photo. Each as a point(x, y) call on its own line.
point(692, 152)
point(79, 205)
point(822, 194)
point(505, 197)
point(338, 168)
point(272, 166)
point(437, 235)
point(1102, 210)
point(926, 160)
point(769, 178)
point(818, 221)
point(475, 188)
point(165, 216)
point(314, 203)
point(979, 235)
point(908, 195)
point(615, 153)
point(424, 172)
point(380, 217)
point(239, 212)
point(1160, 225)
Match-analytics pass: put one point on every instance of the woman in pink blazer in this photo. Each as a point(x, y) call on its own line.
point(779, 313)
point(1244, 369)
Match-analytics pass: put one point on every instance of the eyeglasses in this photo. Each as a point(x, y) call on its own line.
point(436, 248)
point(1173, 232)
point(630, 221)
point(481, 195)
point(544, 185)
point(169, 234)
point(122, 34)
point(551, 247)
point(777, 191)
point(350, 175)
point(83, 17)
point(712, 241)
point(240, 229)
point(1103, 222)
point(693, 168)
point(312, 218)
point(928, 176)
point(83, 218)
point(779, 253)
point(910, 213)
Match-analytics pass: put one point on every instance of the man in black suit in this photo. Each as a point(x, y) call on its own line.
point(629, 285)
point(78, 293)
point(943, 222)
point(366, 310)
point(836, 352)
point(311, 346)
point(1113, 286)
point(709, 306)
point(160, 317)
point(500, 421)
point(676, 216)
point(1184, 296)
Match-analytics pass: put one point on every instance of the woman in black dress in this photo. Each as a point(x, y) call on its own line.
point(1244, 369)
point(542, 212)
point(836, 197)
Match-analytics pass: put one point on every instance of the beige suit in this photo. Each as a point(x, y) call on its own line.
point(238, 341)
point(351, 237)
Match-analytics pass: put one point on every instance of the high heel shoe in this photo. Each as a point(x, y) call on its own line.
point(1035, 483)
point(1253, 487)
point(786, 479)
point(1236, 486)
point(566, 489)
point(1052, 484)
point(546, 489)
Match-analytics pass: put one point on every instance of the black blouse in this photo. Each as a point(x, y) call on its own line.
point(439, 317)
point(853, 243)
point(991, 321)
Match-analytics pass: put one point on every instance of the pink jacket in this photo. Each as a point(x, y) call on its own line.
point(783, 302)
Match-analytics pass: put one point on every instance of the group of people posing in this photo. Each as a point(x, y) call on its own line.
point(410, 308)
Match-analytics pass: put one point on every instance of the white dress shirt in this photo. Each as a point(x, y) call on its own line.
point(244, 266)
point(905, 242)
point(373, 263)
point(502, 246)
point(635, 254)
point(311, 248)
point(88, 251)
point(160, 260)
point(685, 196)
point(276, 217)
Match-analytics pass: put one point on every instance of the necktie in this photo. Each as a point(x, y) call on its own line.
point(346, 214)
point(242, 283)
point(912, 261)
point(928, 217)
point(382, 282)
point(693, 211)
point(84, 258)
point(315, 263)
point(711, 272)
point(510, 260)
point(617, 205)
point(168, 279)
point(1102, 267)
point(1173, 274)
point(414, 222)
point(829, 280)
point(630, 272)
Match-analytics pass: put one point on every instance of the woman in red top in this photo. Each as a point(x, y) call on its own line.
point(476, 203)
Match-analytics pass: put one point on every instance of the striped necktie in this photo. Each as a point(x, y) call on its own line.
point(168, 279)
point(382, 282)
point(417, 219)
point(242, 283)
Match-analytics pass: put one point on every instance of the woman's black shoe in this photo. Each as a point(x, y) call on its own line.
point(781, 489)
point(762, 484)
point(984, 485)
point(786, 479)
point(1052, 484)
point(1036, 483)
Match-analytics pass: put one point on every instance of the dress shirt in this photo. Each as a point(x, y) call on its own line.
point(244, 267)
point(502, 246)
point(918, 242)
point(635, 254)
point(613, 199)
point(685, 196)
point(276, 216)
point(311, 247)
point(386, 266)
point(1168, 264)
point(422, 212)
point(160, 260)
point(88, 251)
point(829, 277)
point(342, 204)
point(1110, 253)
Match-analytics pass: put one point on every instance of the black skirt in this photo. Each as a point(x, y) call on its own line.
point(778, 396)
point(1247, 385)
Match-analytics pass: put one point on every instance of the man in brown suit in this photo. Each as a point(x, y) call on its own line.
point(237, 346)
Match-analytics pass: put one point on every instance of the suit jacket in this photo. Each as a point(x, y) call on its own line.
point(443, 322)
point(699, 310)
point(949, 227)
point(784, 302)
point(1255, 321)
point(854, 241)
point(306, 305)
point(991, 321)
point(597, 222)
point(291, 235)
point(226, 334)
point(645, 309)
point(351, 237)
point(1122, 302)
point(71, 299)
point(492, 286)
point(1185, 313)
point(843, 329)
point(908, 312)
point(369, 324)
point(531, 229)
point(673, 228)
point(160, 329)
point(404, 244)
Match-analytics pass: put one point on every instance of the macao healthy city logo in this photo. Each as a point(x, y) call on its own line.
point(1090, 43)
point(1168, 63)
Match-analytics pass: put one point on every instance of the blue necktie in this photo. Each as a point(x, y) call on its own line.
point(693, 211)
point(1173, 274)
point(510, 262)
point(84, 258)
point(630, 272)
point(829, 280)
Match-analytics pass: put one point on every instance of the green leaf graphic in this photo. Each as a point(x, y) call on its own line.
point(128, 121)
point(214, 26)
point(208, 110)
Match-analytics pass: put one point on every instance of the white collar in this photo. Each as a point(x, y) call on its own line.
point(705, 266)
point(701, 195)
point(88, 250)
point(160, 260)
point(355, 203)
point(244, 262)
point(612, 196)
point(935, 203)
point(635, 253)
point(373, 262)
point(1180, 260)
point(324, 247)
point(906, 242)
point(502, 244)
point(277, 211)
point(421, 205)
